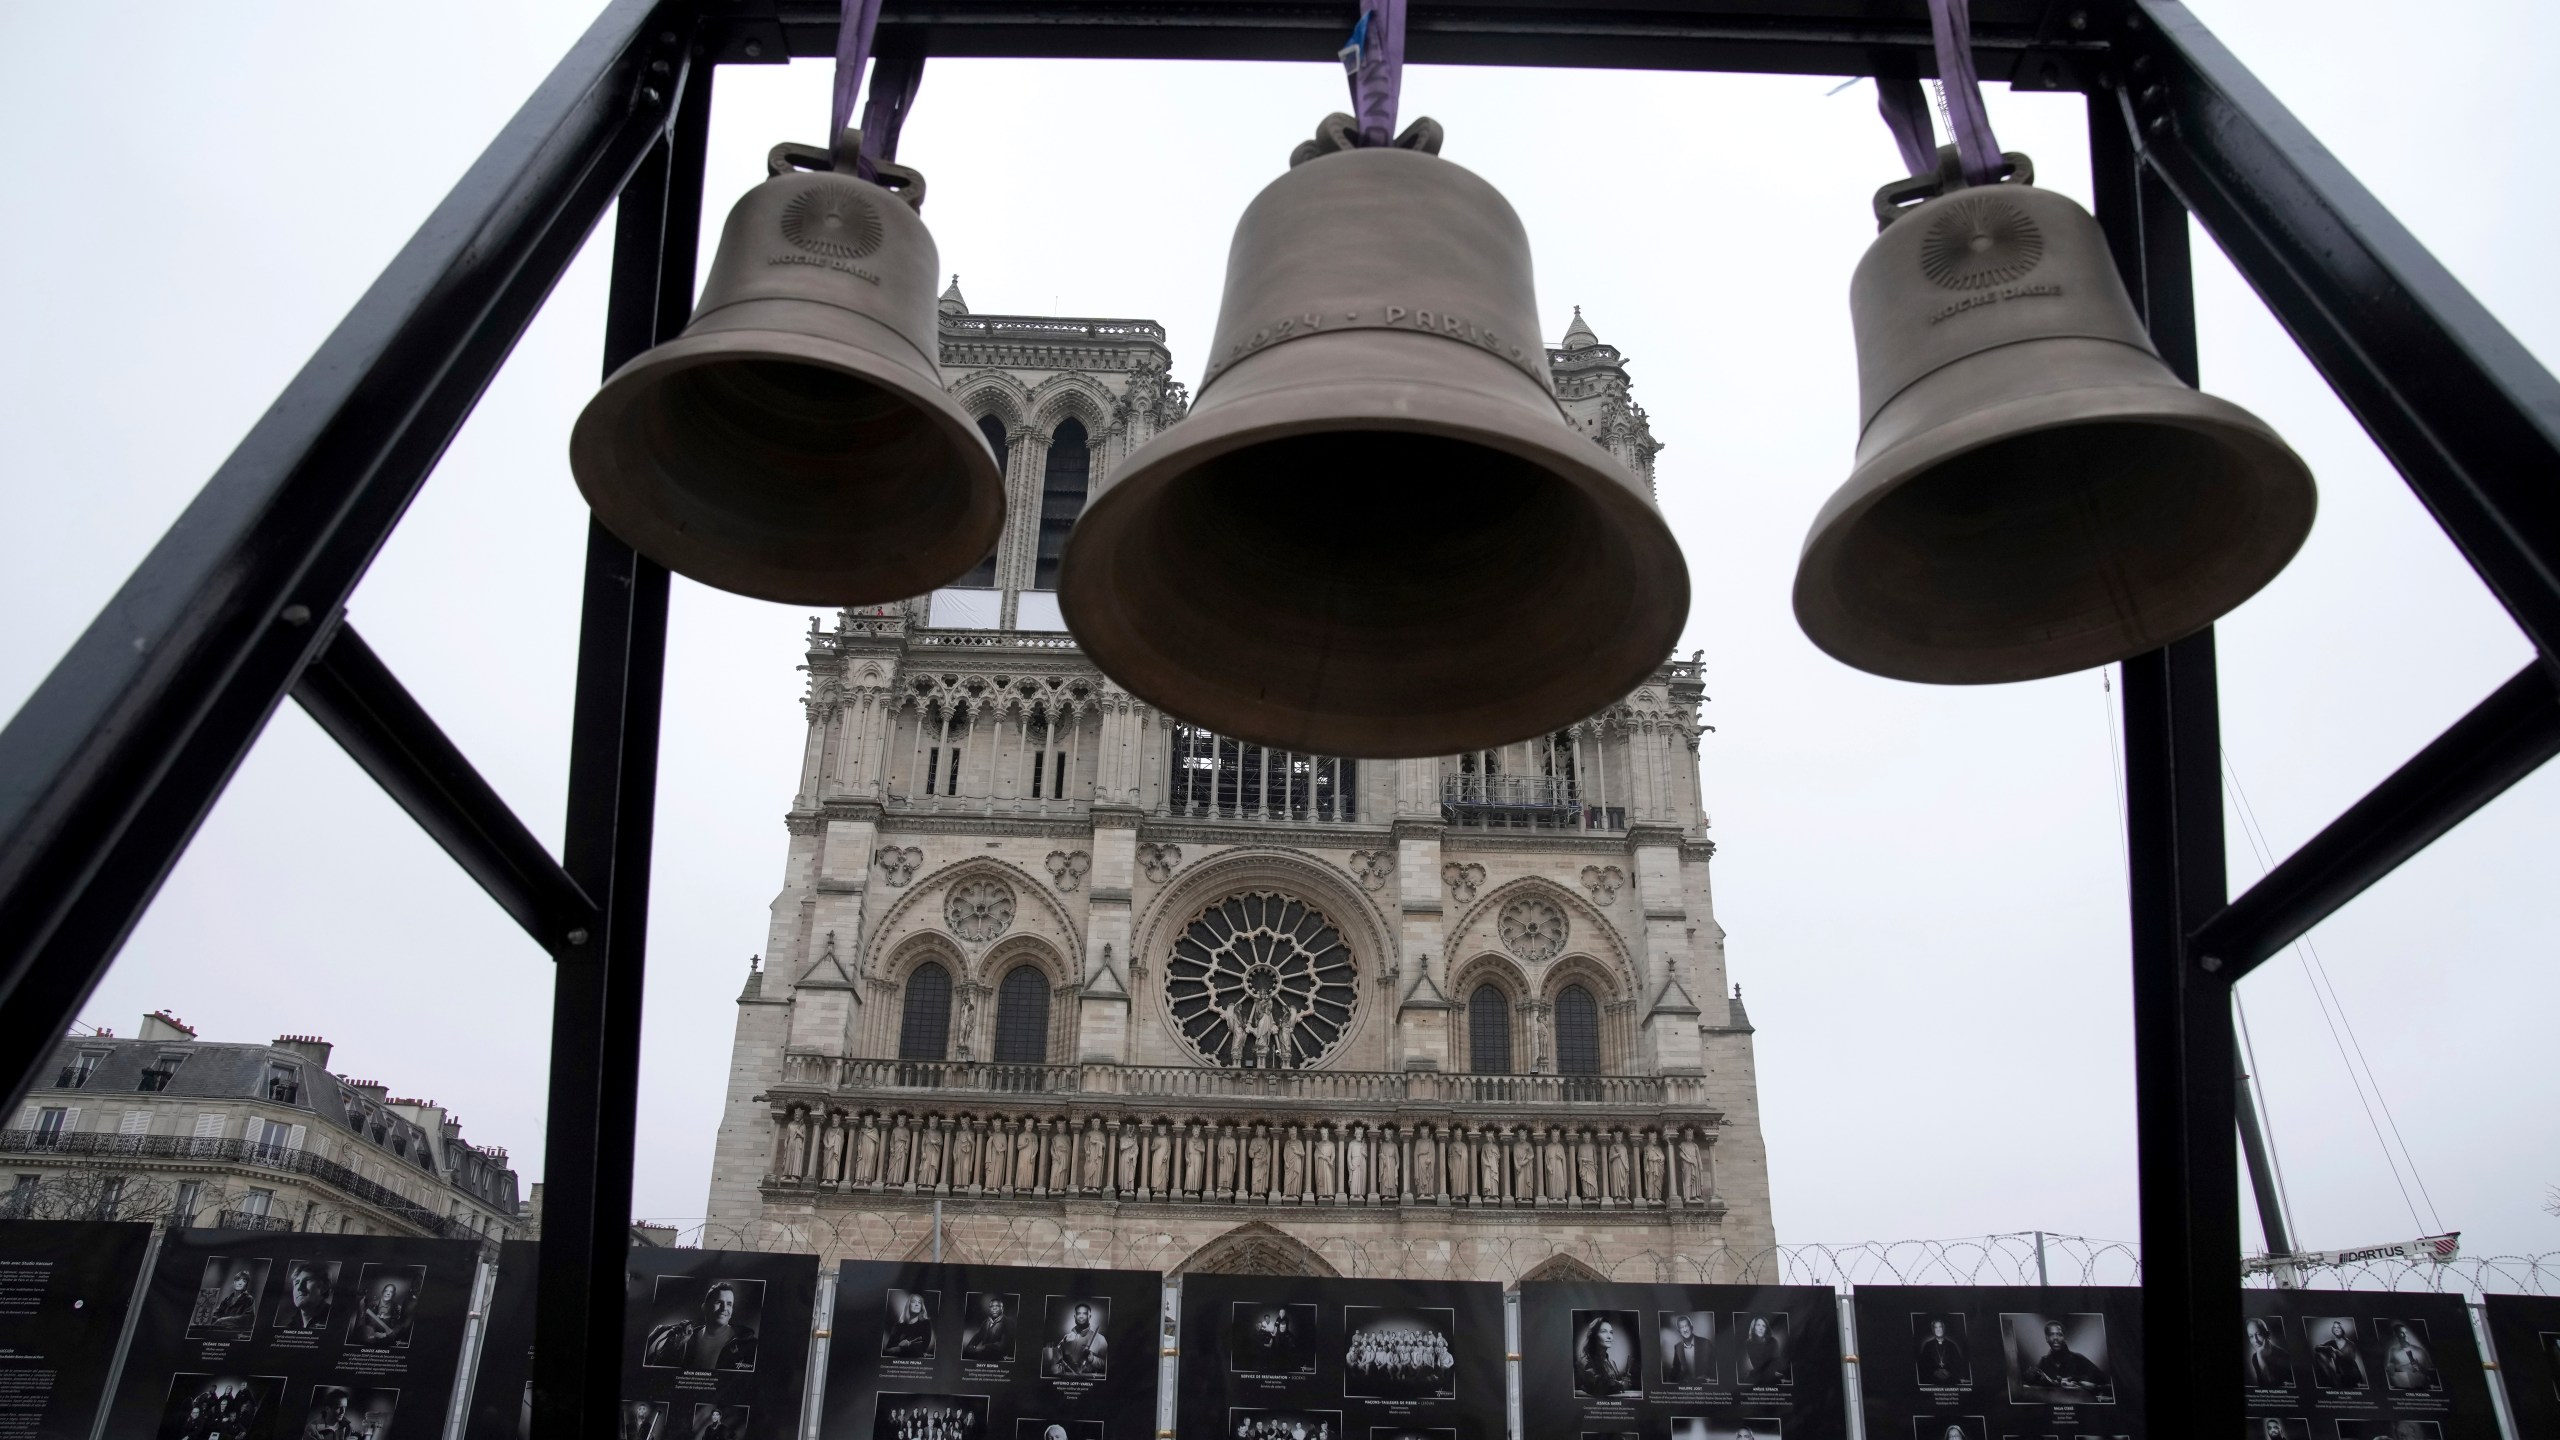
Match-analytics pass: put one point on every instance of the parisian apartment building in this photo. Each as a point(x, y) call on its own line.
point(169, 1128)
point(1053, 975)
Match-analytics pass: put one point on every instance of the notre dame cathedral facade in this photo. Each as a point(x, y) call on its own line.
point(1100, 987)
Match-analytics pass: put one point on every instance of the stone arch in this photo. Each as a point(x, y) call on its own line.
point(993, 392)
point(1618, 1021)
point(1562, 1267)
point(1256, 1248)
point(1591, 931)
point(1031, 898)
point(1504, 973)
point(1246, 867)
point(1070, 394)
point(1010, 954)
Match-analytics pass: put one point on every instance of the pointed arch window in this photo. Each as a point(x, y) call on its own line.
point(1577, 1032)
point(985, 574)
point(1062, 491)
point(1022, 1017)
point(924, 1029)
point(1489, 1030)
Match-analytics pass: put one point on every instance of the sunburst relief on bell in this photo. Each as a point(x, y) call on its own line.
point(1375, 534)
point(2035, 491)
point(795, 442)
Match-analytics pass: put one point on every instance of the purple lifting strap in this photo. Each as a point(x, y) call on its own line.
point(1905, 107)
point(1375, 57)
point(1951, 21)
point(853, 47)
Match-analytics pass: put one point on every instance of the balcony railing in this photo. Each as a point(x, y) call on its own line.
point(247, 1220)
point(1315, 1087)
point(258, 1154)
point(1524, 802)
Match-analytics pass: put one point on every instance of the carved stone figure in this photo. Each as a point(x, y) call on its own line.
point(1293, 1165)
point(831, 1150)
point(1652, 1150)
point(901, 1147)
point(1225, 1172)
point(1195, 1160)
point(1160, 1158)
point(795, 1145)
point(1488, 1148)
point(1026, 1156)
point(1257, 1181)
point(1355, 1165)
point(1693, 1169)
point(929, 1156)
point(965, 1025)
point(866, 1151)
point(1089, 1172)
point(1618, 1165)
point(1524, 1164)
point(1426, 1162)
point(1390, 1163)
point(1328, 1156)
point(998, 1170)
point(965, 1140)
point(1586, 1165)
point(1552, 1152)
point(1125, 1167)
point(1061, 1147)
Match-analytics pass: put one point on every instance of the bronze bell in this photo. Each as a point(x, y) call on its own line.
point(795, 442)
point(2035, 491)
point(1375, 534)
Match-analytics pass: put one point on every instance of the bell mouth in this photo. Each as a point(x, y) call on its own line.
point(2056, 549)
point(778, 475)
point(1369, 592)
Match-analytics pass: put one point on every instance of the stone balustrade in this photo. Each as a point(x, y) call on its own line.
point(880, 1128)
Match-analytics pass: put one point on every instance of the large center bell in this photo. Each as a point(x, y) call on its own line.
point(2035, 491)
point(795, 443)
point(1375, 534)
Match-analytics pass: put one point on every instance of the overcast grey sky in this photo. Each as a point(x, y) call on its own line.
point(1924, 887)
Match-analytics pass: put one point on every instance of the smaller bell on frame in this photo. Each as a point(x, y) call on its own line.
point(2035, 491)
point(1376, 533)
point(795, 442)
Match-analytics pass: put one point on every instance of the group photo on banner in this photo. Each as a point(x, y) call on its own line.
point(1286, 1358)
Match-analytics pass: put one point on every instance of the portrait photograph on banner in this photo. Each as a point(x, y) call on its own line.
point(991, 1352)
point(289, 1335)
point(2353, 1364)
point(1984, 1362)
point(1687, 1362)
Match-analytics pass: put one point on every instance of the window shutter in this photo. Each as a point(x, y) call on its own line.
point(293, 1138)
point(209, 1126)
point(27, 1117)
point(71, 1121)
point(135, 1122)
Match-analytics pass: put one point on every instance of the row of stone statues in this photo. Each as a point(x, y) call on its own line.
point(1224, 1160)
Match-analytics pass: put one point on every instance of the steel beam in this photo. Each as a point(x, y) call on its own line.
point(2030, 43)
point(593, 1110)
point(2185, 1100)
point(2504, 739)
point(109, 768)
point(364, 707)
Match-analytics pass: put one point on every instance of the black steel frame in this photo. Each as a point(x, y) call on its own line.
point(112, 764)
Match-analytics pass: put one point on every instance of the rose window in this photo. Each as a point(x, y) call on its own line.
point(979, 910)
point(1261, 981)
point(1533, 928)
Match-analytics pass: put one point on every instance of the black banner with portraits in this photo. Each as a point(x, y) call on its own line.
point(267, 1335)
point(1680, 1362)
point(1268, 1357)
point(2525, 1331)
point(715, 1345)
point(2363, 1365)
point(1984, 1362)
point(992, 1352)
point(66, 1287)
